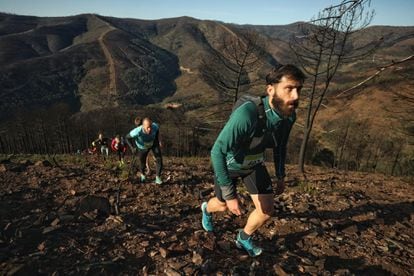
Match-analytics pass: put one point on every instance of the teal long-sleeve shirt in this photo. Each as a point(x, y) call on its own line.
point(230, 152)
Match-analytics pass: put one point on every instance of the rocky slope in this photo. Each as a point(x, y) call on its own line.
point(58, 217)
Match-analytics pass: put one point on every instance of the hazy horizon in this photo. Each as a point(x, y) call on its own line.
point(242, 12)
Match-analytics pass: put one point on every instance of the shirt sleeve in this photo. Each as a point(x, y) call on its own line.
point(279, 152)
point(135, 132)
point(238, 127)
point(113, 142)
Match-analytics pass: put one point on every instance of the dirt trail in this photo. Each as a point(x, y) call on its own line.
point(111, 63)
point(112, 88)
point(17, 34)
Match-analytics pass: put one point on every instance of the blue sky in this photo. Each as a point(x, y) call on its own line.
point(260, 12)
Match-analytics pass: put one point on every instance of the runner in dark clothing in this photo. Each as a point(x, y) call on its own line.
point(103, 143)
point(118, 145)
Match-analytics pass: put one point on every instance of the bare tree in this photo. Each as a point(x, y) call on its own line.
point(402, 110)
point(322, 47)
point(227, 69)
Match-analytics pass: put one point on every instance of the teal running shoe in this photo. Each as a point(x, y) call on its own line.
point(142, 178)
point(207, 219)
point(158, 180)
point(248, 245)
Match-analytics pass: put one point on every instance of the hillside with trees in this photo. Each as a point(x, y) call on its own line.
point(104, 71)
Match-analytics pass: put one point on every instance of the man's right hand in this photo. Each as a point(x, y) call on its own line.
point(233, 206)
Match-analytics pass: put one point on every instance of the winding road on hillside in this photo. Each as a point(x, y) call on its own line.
point(112, 70)
point(19, 33)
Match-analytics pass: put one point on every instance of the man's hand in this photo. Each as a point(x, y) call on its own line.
point(234, 207)
point(280, 186)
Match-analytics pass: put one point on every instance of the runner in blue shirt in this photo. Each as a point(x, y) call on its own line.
point(146, 138)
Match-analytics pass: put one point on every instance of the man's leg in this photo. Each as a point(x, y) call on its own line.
point(158, 158)
point(215, 204)
point(260, 188)
point(147, 165)
point(103, 152)
point(122, 156)
point(207, 208)
point(263, 211)
point(156, 150)
point(142, 155)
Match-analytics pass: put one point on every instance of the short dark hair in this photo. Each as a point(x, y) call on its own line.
point(288, 70)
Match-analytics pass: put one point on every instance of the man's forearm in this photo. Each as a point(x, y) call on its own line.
point(221, 173)
point(228, 191)
point(127, 137)
point(279, 158)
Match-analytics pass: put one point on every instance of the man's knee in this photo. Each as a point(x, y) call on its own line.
point(267, 214)
point(265, 207)
point(268, 210)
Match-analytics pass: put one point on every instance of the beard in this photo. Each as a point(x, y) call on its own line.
point(285, 109)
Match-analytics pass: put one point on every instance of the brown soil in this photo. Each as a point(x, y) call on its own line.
point(55, 219)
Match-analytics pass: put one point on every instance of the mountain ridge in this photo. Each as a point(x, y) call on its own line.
point(95, 62)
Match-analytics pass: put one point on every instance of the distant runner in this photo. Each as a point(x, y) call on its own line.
point(138, 122)
point(118, 145)
point(146, 139)
point(103, 143)
point(239, 153)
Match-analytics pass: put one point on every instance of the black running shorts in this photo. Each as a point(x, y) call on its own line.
point(257, 181)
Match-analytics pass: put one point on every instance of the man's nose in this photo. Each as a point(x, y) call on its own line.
point(294, 95)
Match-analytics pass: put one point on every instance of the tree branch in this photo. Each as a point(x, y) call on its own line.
point(379, 71)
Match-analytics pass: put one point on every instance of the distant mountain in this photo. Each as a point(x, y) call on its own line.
point(93, 62)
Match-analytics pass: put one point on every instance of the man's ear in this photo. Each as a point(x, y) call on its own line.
point(270, 89)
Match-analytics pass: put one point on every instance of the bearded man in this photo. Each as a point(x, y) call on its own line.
point(239, 149)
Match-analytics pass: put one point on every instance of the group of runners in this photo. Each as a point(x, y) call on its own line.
point(141, 140)
point(256, 123)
